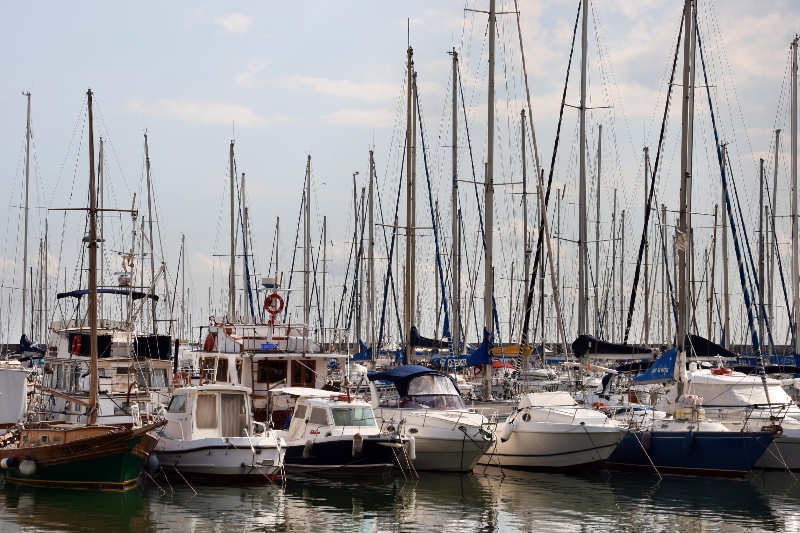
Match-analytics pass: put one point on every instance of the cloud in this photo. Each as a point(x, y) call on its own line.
point(194, 112)
point(380, 118)
point(234, 22)
point(371, 91)
point(245, 78)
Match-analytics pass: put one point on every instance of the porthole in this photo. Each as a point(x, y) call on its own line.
point(390, 429)
point(526, 417)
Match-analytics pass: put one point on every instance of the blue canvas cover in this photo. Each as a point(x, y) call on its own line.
point(364, 352)
point(400, 376)
point(662, 370)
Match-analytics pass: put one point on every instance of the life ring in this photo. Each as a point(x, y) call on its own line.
point(76, 345)
point(180, 378)
point(209, 343)
point(478, 369)
point(721, 371)
point(598, 405)
point(269, 303)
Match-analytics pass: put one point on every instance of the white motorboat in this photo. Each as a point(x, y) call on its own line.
point(425, 405)
point(336, 434)
point(551, 431)
point(210, 436)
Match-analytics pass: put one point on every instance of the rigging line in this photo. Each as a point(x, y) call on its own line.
point(294, 255)
point(642, 242)
point(734, 233)
point(346, 273)
point(355, 294)
point(433, 216)
point(477, 199)
point(389, 262)
point(540, 238)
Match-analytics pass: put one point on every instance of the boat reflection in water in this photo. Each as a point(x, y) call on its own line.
point(490, 500)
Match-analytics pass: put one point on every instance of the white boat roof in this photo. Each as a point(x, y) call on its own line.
point(306, 392)
point(213, 388)
point(546, 399)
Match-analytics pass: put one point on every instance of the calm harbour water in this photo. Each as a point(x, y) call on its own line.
point(490, 501)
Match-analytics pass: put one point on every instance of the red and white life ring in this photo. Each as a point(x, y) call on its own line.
point(77, 343)
point(274, 303)
point(209, 343)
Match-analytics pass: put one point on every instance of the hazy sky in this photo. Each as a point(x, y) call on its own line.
point(286, 80)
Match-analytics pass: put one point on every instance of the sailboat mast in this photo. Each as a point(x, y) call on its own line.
point(93, 396)
point(489, 201)
point(725, 341)
point(150, 228)
point(408, 304)
point(455, 262)
point(582, 204)
point(232, 270)
point(646, 338)
point(683, 235)
point(760, 304)
point(307, 253)
point(795, 237)
point(525, 241)
point(25, 236)
point(324, 272)
point(771, 232)
point(597, 235)
point(371, 264)
point(101, 203)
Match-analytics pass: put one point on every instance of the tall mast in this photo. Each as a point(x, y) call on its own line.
point(613, 267)
point(622, 271)
point(710, 312)
point(150, 227)
point(93, 399)
point(795, 238)
point(726, 315)
point(489, 201)
point(412, 238)
point(455, 261)
point(101, 203)
point(646, 338)
point(307, 253)
point(760, 304)
point(408, 304)
point(25, 238)
point(597, 235)
point(324, 271)
point(771, 232)
point(683, 236)
point(582, 204)
point(183, 290)
point(371, 264)
point(525, 241)
point(243, 210)
point(232, 271)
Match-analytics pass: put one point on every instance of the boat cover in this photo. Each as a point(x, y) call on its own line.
point(662, 369)
point(137, 295)
point(705, 349)
point(419, 341)
point(401, 376)
point(480, 356)
point(588, 345)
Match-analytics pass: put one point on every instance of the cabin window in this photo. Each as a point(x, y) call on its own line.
point(68, 406)
point(271, 372)
point(353, 416)
point(233, 415)
point(318, 416)
point(56, 439)
point(208, 368)
point(207, 411)
point(432, 391)
point(59, 376)
point(123, 370)
point(300, 412)
point(101, 372)
point(159, 378)
point(143, 378)
point(303, 373)
point(177, 404)
point(222, 370)
point(45, 439)
point(239, 370)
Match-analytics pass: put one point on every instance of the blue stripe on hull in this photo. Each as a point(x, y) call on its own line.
point(704, 453)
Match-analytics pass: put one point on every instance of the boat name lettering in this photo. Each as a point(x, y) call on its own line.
point(75, 448)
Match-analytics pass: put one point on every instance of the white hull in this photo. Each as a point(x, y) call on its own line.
point(440, 443)
point(554, 446)
point(230, 459)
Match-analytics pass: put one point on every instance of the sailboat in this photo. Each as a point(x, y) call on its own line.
point(79, 455)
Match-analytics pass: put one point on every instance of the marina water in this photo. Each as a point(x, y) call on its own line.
point(486, 501)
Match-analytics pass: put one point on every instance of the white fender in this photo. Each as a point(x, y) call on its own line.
point(506, 432)
point(412, 448)
point(27, 467)
point(307, 449)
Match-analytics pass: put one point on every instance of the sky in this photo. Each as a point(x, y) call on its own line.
point(289, 80)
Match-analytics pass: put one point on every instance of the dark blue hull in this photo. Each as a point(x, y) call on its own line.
point(701, 453)
point(337, 457)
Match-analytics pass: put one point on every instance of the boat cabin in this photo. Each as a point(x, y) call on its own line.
point(325, 415)
point(209, 411)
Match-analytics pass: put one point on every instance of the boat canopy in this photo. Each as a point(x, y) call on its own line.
point(546, 399)
point(588, 345)
point(401, 376)
point(80, 293)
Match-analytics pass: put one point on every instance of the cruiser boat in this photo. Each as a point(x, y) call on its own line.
point(336, 434)
point(425, 405)
point(549, 430)
point(210, 436)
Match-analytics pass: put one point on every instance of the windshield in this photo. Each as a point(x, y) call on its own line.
point(432, 392)
point(353, 416)
point(431, 384)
